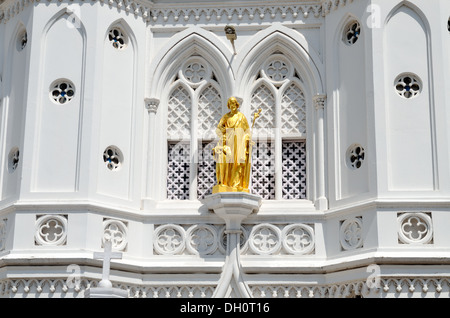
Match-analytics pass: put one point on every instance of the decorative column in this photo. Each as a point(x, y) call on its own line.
point(321, 202)
point(233, 208)
point(151, 104)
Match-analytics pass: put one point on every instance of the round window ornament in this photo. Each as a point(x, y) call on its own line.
point(22, 40)
point(352, 32)
point(118, 38)
point(195, 71)
point(408, 85)
point(278, 69)
point(13, 159)
point(355, 156)
point(62, 91)
point(113, 158)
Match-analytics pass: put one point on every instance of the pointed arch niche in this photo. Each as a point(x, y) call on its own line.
point(349, 105)
point(192, 81)
point(411, 145)
point(57, 152)
point(279, 76)
point(12, 109)
point(118, 109)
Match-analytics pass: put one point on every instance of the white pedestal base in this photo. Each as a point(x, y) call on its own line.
point(233, 208)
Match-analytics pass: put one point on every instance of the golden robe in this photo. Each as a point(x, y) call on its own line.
point(232, 154)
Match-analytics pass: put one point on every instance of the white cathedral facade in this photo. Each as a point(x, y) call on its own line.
point(108, 111)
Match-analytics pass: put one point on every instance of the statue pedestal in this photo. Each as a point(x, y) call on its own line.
point(233, 208)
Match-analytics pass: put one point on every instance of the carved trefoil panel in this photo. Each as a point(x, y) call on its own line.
point(415, 228)
point(115, 231)
point(350, 233)
point(51, 229)
point(211, 239)
point(291, 239)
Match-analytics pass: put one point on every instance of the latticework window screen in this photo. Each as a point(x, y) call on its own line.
point(277, 90)
point(195, 91)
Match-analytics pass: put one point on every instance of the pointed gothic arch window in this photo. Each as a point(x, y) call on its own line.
point(279, 155)
point(194, 109)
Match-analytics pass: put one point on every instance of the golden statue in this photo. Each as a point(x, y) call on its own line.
point(233, 151)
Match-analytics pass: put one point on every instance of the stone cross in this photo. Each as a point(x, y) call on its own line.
point(107, 255)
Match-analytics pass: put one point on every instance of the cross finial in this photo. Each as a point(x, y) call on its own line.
point(107, 255)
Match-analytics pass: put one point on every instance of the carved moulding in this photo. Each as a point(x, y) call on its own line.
point(411, 287)
point(211, 239)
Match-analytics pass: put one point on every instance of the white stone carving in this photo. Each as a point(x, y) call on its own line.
point(179, 114)
point(169, 239)
point(415, 228)
point(243, 244)
point(51, 230)
point(262, 97)
point(298, 239)
point(201, 239)
point(277, 69)
point(62, 91)
point(351, 234)
point(151, 104)
point(116, 232)
point(118, 38)
point(408, 85)
point(195, 71)
point(265, 239)
point(355, 156)
point(293, 111)
point(425, 287)
point(113, 158)
point(209, 111)
point(352, 33)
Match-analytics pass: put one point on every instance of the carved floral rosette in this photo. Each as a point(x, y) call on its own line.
point(51, 230)
point(115, 231)
point(350, 234)
point(415, 228)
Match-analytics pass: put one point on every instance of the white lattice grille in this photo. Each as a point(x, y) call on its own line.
point(178, 171)
point(263, 170)
point(294, 170)
point(293, 111)
point(179, 114)
point(206, 177)
point(209, 111)
point(263, 98)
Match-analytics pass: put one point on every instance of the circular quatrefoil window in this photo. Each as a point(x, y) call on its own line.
point(408, 85)
point(13, 159)
point(62, 91)
point(113, 158)
point(355, 156)
point(118, 38)
point(22, 40)
point(351, 32)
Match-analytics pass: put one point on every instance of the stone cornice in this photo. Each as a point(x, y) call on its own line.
point(187, 13)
